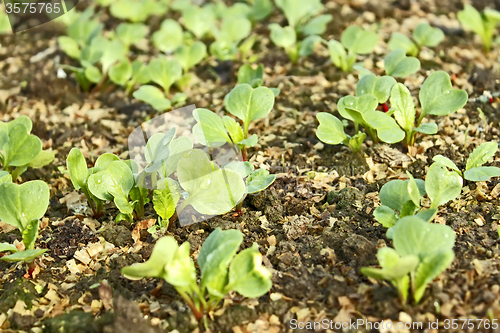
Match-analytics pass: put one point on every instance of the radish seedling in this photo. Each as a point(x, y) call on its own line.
point(474, 169)
point(19, 149)
point(254, 77)
point(199, 20)
point(423, 35)
point(169, 37)
point(437, 97)
point(397, 64)
point(422, 251)
point(131, 33)
point(378, 86)
point(137, 11)
point(222, 270)
point(353, 41)
point(286, 37)
point(300, 15)
point(229, 36)
point(23, 206)
point(483, 24)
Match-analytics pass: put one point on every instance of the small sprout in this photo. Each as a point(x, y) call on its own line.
point(19, 149)
point(474, 169)
point(153, 96)
point(229, 35)
point(354, 41)
point(198, 20)
point(254, 77)
point(190, 55)
point(423, 35)
point(331, 131)
point(483, 24)
point(165, 72)
point(437, 97)
point(131, 33)
point(397, 64)
point(137, 11)
point(23, 206)
point(286, 37)
point(169, 37)
point(260, 9)
point(222, 270)
point(299, 12)
point(421, 249)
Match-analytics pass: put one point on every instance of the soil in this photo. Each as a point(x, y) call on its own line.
point(314, 225)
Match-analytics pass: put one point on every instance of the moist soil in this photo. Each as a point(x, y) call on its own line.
point(314, 225)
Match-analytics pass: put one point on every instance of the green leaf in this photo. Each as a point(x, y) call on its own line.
point(430, 267)
point(250, 141)
point(198, 20)
point(330, 129)
point(356, 141)
point(69, 46)
point(363, 103)
point(438, 97)
point(427, 215)
point(112, 51)
point(359, 41)
point(400, 41)
point(234, 129)
point(442, 185)
point(339, 57)
point(244, 169)
point(158, 150)
point(234, 29)
point(249, 104)
point(385, 216)
point(297, 11)
point(259, 180)
point(177, 148)
point(253, 77)
point(380, 87)
point(307, 45)
point(43, 158)
point(113, 183)
point(190, 56)
point(479, 174)
point(165, 72)
point(5, 177)
point(93, 74)
point(169, 37)
point(470, 18)
point(425, 35)
point(397, 64)
point(414, 191)
point(165, 199)
point(153, 96)
point(386, 127)
point(162, 254)
point(209, 129)
point(214, 258)
point(24, 256)
point(180, 271)
point(403, 106)
point(140, 72)
point(394, 194)
point(23, 203)
point(446, 162)
point(394, 266)
point(21, 147)
point(284, 37)
point(247, 276)
point(481, 155)
point(316, 26)
point(121, 72)
point(8, 247)
point(131, 33)
point(414, 236)
point(211, 190)
point(427, 128)
point(30, 233)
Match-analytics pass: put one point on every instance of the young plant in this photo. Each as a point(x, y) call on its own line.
point(23, 206)
point(199, 20)
point(169, 37)
point(401, 198)
point(153, 96)
point(254, 77)
point(137, 11)
point(378, 86)
point(474, 169)
point(189, 56)
point(128, 75)
point(353, 41)
point(165, 72)
point(422, 251)
point(221, 269)
point(397, 64)
point(423, 35)
point(437, 97)
point(286, 37)
point(300, 16)
point(229, 36)
point(131, 33)
point(331, 131)
point(483, 24)
point(19, 149)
